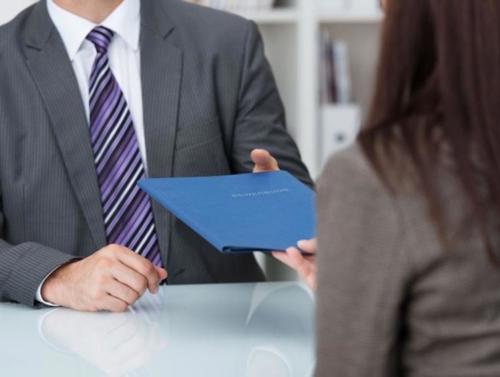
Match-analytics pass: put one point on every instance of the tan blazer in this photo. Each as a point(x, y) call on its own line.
point(391, 301)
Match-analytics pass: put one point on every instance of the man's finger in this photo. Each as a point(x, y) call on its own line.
point(122, 292)
point(131, 278)
point(162, 273)
point(263, 161)
point(142, 266)
point(113, 304)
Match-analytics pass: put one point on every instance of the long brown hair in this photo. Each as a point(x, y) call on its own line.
point(438, 86)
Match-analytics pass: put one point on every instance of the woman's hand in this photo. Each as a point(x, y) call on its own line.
point(305, 265)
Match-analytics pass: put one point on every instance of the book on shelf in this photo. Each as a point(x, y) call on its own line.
point(237, 5)
point(335, 75)
point(340, 117)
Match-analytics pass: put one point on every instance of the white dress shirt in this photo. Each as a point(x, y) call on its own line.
point(124, 59)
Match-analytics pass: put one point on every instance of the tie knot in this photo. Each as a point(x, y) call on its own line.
point(101, 38)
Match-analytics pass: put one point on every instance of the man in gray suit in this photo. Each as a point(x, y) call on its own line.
point(95, 95)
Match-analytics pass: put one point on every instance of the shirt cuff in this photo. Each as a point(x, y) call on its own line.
point(39, 297)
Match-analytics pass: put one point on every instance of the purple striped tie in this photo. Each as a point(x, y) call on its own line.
point(128, 216)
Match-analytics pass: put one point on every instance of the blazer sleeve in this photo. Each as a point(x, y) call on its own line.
point(362, 273)
point(24, 267)
point(260, 121)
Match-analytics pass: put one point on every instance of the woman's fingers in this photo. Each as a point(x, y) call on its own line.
point(305, 266)
point(283, 258)
point(302, 265)
point(309, 246)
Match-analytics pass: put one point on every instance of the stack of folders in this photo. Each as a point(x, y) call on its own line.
point(237, 5)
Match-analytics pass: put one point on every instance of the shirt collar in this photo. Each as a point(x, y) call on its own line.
point(124, 21)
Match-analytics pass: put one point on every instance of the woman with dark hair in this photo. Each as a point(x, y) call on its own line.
point(409, 219)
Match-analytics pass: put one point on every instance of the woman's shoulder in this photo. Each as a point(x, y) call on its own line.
point(351, 187)
point(352, 197)
point(350, 169)
point(351, 191)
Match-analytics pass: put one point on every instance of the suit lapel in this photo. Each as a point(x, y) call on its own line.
point(161, 65)
point(53, 73)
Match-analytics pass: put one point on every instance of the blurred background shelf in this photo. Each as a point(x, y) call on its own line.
point(274, 16)
point(329, 16)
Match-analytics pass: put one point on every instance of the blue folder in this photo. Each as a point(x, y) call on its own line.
point(240, 213)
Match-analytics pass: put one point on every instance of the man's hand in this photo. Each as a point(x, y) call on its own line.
point(111, 279)
point(305, 265)
point(263, 161)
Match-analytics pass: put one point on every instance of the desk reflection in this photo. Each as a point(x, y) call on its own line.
point(231, 330)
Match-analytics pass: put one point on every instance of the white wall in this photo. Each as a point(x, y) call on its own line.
point(9, 8)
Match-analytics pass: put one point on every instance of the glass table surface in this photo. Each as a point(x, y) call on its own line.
point(233, 330)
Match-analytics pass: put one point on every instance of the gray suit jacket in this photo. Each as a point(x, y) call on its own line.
point(209, 99)
point(391, 301)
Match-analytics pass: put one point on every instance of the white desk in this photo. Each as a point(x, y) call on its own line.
point(240, 330)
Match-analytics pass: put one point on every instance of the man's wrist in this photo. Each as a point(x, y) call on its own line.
point(39, 298)
point(49, 290)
